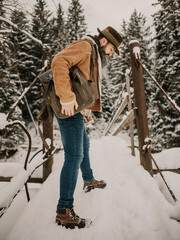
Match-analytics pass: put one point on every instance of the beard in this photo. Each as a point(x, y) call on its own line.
point(104, 50)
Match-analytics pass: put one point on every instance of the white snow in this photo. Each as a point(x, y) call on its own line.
point(168, 158)
point(48, 141)
point(10, 169)
point(147, 144)
point(127, 72)
point(133, 206)
point(136, 51)
point(7, 192)
point(133, 41)
point(3, 120)
point(46, 62)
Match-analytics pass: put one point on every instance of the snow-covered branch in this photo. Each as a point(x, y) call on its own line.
point(24, 92)
point(7, 31)
point(24, 32)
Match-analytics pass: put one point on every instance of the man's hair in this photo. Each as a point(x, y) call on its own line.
point(99, 36)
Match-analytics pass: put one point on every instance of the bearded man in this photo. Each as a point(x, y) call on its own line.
point(73, 133)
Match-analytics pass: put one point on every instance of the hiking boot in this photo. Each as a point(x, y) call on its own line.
point(69, 219)
point(94, 184)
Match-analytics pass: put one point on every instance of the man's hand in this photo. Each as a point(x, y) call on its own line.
point(69, 109)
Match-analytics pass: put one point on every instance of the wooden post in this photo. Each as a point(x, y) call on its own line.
point(48, 125)
point(131, 129)
point(140, 103)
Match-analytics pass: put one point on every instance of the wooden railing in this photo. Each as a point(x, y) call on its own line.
point(139, 112)
point(16, 183)
point(10, 191)
point(130, 115)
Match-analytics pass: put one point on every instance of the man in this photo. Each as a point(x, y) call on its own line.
point(74, 137)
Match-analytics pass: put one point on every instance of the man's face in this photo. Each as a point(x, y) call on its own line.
point(108, 49)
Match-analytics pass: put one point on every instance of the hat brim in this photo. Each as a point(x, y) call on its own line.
point(116, 49)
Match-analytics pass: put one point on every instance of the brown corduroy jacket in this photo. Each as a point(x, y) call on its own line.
point(77, 53)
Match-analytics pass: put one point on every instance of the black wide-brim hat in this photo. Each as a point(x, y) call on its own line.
point(112, 36)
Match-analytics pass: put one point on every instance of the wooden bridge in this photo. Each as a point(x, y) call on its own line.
point(137, 112)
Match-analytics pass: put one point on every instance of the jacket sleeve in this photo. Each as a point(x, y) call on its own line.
point(73, 55)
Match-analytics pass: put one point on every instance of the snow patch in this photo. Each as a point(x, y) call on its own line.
point(132, 206)
point(133, 41)
point(168, 158)
point(127, 72)
point(3, 121)
point(136, 51)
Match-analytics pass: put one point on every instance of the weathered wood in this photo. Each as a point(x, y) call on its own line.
point(117, 103)
point(140, 103)
point(118, 112)
point(131, 129)
point(130, 117)
point(173, 104)
point(31, 180)
point(48, 124)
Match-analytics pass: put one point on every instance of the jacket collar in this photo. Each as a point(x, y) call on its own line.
point(101, 53)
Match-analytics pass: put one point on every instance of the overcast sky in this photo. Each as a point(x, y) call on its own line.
point(102, 13)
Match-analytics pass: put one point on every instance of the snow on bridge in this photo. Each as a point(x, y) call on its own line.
point(131, 207)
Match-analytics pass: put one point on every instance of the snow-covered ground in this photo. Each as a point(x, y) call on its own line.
point(133, 206)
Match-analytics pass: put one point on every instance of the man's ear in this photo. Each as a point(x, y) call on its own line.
point(103, 41)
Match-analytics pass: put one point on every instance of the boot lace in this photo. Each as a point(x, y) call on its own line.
point(73, 214)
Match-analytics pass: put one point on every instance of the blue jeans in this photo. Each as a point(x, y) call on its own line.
point(76, 155)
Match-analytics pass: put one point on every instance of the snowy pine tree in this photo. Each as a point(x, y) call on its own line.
point(138, 30)
point(107, 92)
point(22, 70)
point(134, 29)
point(167, 54)
point(9, 91)
point(42, 28)
point(75, 25)
point(59, 31)
point(5, 43)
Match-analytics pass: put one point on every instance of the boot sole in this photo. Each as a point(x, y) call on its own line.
point(82, 224)
point(88, 190)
